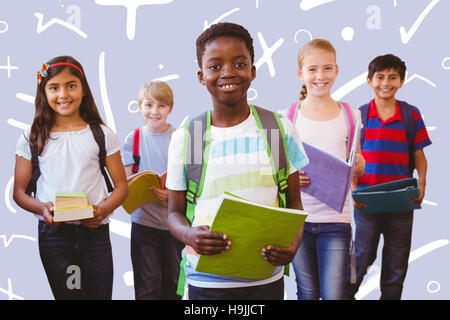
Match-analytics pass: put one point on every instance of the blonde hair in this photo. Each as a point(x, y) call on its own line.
point(313, 44)
point(158, 90)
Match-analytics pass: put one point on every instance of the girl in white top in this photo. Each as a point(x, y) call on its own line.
point(322, 258)
point(69, 162)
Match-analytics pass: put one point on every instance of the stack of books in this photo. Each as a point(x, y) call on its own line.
point(70, 206)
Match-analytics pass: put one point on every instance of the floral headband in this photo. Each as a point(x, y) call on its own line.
point(45, 67)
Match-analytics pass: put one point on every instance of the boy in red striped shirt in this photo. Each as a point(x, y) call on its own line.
point(387, 154)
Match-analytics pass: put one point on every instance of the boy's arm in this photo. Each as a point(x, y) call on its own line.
point(199, 238)
point(421, 167)
point(278, 256)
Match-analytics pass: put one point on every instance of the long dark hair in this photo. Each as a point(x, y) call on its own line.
point(44, 117)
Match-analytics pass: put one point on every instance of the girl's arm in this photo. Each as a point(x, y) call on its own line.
point(22, 176)
point(278, 256)
point(199, 238)
point(421, 167)
point(117, 197)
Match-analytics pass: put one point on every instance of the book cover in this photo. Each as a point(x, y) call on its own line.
point(70, 206)
point(250, 227)
point(139, 189)
point(70, 199)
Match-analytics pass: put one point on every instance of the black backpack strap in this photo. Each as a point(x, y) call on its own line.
point(36, 172)
point(410, 128)
point(364, 119)
point(194, 149)
point(99, 137)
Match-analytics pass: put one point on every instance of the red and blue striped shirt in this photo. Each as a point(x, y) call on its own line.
point(385, 147)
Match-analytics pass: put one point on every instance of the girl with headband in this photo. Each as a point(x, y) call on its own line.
point(61, 151)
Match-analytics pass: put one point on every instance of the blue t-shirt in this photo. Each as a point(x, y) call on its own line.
point(153, 151)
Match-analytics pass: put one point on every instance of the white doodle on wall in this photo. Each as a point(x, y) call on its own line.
point(347, 33)
point(8, 195)
point(104, 93)
point(444, 65)
point(257, 4)
point(267, 54)
point(168, 78)
point(302, 31)
point(18, 124)
point(7, 242)
point(8, 66)
point(42, 27)
point(306, 5)
point(435, 284)
point(395, 3)
point(374, 282)
point(417, 76)
point(11, 295)
point(133, 110)
point(349, 86)
point(255, 94)
point(407, 35)
point(25, 97)
point(206, 25)
point(431, 203)
point(132, 6)
point(3, 27)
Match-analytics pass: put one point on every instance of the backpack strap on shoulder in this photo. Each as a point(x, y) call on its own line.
point(350, 125)
point(36, 172)
point(364, 120)
point(136, 157)
point(410, 128)
point(99, 137)
point(272, 132)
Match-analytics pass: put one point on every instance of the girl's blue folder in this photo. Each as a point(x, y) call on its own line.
point(392, 196)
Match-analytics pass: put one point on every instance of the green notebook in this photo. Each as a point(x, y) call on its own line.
point(250, 227)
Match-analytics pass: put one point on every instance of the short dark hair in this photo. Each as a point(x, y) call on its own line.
point(385, 62)
point(223, 29)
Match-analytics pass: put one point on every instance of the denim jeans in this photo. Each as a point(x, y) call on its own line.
point(270, 291)
point(396, 229)
point(77, 260)
point(156, 257)
point(321, 261)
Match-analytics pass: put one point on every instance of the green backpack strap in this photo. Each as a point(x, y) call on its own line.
point(272, 131)
point(196, 152)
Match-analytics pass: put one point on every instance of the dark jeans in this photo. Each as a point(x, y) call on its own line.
point(156, 256)
point(396, 229)
point(77, 260)
point(321, 261)
point(270, 291)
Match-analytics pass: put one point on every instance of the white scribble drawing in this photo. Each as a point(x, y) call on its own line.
point(257, 4)
point(104, 93)
point(306, 5)
point(75, 15)
point(431, 203)
point(362, 79)
point(7, 242)
point(267, 54)
point(132, 7)
point(133, 110)
point(8, 66)
point(255, 94)
point(433, 283)
point(446, 67)
point(349, 86)
point(348, 33)
point(7, 195)
point(3, 27)
point(301, 31)
point(183, 122)
point(168, 78)
point(11, 295)
point(41, 27)
point(407, 35)
point(395, 3)
point(374, 20)
point(120, 228)
point(417, 76)
point(374, 282)
point(128, 278)
point(206, 25)
point(18, 124)
point(25, 97)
